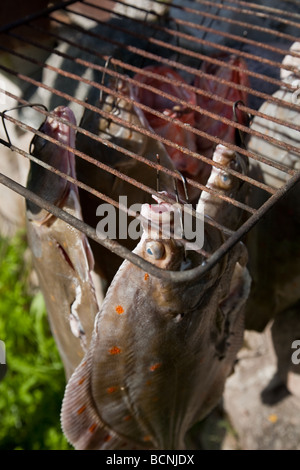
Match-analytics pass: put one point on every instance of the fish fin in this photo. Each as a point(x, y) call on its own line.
point(80, 421)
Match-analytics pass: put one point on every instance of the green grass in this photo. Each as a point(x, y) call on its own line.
point(31, 391)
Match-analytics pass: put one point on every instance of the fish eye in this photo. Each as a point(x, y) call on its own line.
point(225, 180)
point(155, 249)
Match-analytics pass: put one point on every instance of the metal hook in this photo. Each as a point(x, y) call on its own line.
point(29, 105)
point(114, 106)
point(107, 62)
point(179, 208)
point(157, 174)
point(234, 108)
point(184, 184)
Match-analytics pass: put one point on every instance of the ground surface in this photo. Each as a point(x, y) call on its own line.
point(243, 421)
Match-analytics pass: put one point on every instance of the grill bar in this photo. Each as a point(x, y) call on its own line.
point(134, 69)
point(181, 50)
point(174, 276)
point(106, 167)
point(151, 134)
point(254, 5)
point(211, 30)
point(196, 108)
point(176, 64)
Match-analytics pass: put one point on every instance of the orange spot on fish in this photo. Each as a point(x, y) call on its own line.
point(107, 438)
point(119, 309)
point(93, 427)
point(127, 418)
point(155, 366)
point(83, 364)
point(147, 438)
point(146, 277)
point(80, 382)
point(115, 350)
point(111, 389)
point(81, 410)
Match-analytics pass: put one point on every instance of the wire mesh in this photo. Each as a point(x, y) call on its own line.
point(91, 44)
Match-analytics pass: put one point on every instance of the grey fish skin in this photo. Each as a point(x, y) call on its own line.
point(160, 352)
point(106, 262)
point(61, 254)
point(225, 184)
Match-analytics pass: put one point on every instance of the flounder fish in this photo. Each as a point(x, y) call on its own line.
point(161, 351)
point(61, 254)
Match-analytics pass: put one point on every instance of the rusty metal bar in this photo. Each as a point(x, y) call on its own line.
point(153, 135)
point(206, 29)
point(196, 108)
point(185, 51)
point(178, 65)
point(174, 276)
point(251, 12)
point(108, 168)
point(164, 79)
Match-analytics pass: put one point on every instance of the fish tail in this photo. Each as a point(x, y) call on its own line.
point(80, 419)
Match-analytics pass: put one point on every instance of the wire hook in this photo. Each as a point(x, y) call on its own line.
point(250, 117)
point(29, 105)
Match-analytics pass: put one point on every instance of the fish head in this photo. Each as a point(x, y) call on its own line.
point(62, 257)
point(121, 107)
point(163, 244)
point(225, 184)
point(160, 93)
point(41, 181)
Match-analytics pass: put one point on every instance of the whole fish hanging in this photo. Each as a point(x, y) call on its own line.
point(61, 254)
point(161, 351)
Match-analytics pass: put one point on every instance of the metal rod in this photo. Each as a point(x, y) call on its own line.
point(151, 134)
point(37, 15)
point(176, 64)
point(195, 39)
point(113, 171)
point(156, 136)
point(164, 79)
point(174, 276)
point(214, 31)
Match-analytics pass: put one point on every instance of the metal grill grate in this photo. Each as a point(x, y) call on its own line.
point(193, 32)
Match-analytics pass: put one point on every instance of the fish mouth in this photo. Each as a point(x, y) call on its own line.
point(160, 212)
point(159, 218)
point(59, 130)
